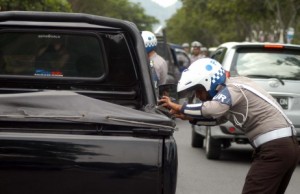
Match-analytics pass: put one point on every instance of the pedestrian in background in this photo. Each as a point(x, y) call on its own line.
point(204, 52)
point(186, 48)
point(159, 64)
point(196, 51)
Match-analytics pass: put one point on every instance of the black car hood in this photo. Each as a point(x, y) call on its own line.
point(70, 106)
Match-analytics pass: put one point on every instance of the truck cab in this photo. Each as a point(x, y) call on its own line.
point(78, 108)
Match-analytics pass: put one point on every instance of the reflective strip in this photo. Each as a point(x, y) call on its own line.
point(198, 105)
point(193, 109)
point(192, 112)
point(271, 135)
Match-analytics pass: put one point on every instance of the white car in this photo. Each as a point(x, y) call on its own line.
point(276, 67)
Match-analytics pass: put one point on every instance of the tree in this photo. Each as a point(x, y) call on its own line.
point(285, 14)
point(216, 21)
point(188, 24)
point(35, 5)
point(121, 9)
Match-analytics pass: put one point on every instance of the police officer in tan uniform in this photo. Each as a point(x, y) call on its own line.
point(196, 51)
point(159, 64)
point(251, 109)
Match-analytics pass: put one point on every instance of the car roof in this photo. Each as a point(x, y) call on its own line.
point(253, 44)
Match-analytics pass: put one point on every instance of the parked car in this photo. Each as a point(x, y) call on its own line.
point(211, 50)
point(276, 67)
point(78, 108)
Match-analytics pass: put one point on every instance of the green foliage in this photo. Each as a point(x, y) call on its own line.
point(121, 9)
point(35, 5)
point(213, 22)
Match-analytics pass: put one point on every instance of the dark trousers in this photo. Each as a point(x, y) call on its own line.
point(273, 165)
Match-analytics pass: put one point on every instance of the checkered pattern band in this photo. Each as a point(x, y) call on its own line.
point(150, 44)
point(217, 76)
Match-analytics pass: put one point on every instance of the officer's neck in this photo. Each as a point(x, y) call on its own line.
point(151, 53)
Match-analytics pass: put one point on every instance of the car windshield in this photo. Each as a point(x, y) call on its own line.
point(47, 54)
point(257, 63)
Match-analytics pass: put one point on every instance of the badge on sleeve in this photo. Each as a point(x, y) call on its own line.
point(223, 97)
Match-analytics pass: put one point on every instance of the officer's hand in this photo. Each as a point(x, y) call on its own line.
point(167, 102)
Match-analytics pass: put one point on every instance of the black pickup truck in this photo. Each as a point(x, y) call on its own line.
point(78, 108)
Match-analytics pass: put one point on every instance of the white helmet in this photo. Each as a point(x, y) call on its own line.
point(196, 44)
point(206, 72)
point(149, 40)
point(185, 45)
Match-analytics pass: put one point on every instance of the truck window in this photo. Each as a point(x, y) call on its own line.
point(49, 54)
point(120, 60)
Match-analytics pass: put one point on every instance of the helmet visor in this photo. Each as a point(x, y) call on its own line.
point(188, 93)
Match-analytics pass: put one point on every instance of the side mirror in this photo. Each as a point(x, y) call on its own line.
point(168, 90)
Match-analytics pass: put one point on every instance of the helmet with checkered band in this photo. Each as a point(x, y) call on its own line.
point(206, 72)
point(149, 40)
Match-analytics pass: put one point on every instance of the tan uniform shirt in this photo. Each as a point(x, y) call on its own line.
point(233, 103)
point(195, 58)
point(161, 68)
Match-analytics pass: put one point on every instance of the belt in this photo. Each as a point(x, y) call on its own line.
point(271, 135)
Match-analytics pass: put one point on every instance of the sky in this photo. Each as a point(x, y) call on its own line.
point(160, 9)
point(165, 3)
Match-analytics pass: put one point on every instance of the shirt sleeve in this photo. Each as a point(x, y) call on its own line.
point(219, 105)
point(216, 108)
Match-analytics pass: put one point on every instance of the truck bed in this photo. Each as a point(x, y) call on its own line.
point(51, 163)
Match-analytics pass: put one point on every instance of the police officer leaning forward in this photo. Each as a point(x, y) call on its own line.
point(249, 108)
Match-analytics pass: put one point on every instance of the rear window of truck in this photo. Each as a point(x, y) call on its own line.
point(49, 54)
